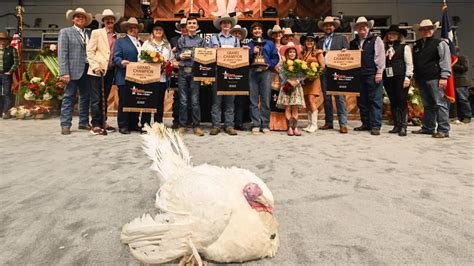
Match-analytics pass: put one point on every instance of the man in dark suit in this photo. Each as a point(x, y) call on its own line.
point(332, 41)
point(73, 69)
point(126, 50)
point(462, 84)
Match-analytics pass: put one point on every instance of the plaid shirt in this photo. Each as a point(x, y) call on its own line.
point(16, 60)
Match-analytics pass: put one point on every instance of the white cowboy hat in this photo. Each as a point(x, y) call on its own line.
point(426, 23)
point(276, 28)
point(71, 13)
point(107, 13)
point(331, 20)
point(217, 21)
point(287, 31)
point(360, 20)
point(182, 21)
point(131, 21)
point(243, 31)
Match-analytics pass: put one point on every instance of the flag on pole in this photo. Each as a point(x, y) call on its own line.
point(447, 34)
point(16, 42)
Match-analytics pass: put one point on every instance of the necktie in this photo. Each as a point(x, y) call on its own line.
point(390, 52)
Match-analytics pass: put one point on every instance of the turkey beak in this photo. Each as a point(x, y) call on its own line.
point(264, 201)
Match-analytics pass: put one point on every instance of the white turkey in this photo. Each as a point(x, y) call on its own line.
point(222, 214)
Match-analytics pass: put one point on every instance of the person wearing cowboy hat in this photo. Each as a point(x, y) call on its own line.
point(288, 36)
point(432, 60)
point(224, 39)
point(73, 68)
point(261, 79)
point(126, 50)
point(9, 63)
point(100, 57)
point(332, 41)
point(187, 87)
point(370, 101)
point(397, 76)
point(239, 33)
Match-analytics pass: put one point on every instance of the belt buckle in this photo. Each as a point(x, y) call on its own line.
point(188, 69)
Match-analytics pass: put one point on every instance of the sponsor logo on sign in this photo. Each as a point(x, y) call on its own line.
point(231, 76)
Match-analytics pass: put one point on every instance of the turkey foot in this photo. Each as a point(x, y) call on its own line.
point(191, 261)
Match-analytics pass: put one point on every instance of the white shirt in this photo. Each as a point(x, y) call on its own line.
point(135, 42)
point(84, 36)
point(162, 48)
point(407, 56)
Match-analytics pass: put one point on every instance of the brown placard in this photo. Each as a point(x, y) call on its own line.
point(204, 67)
point(205, 55)
point(343, 59)
point(143, 73)
point(232, 57)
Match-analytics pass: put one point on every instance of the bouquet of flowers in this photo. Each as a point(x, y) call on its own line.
point(313, 71)
point(293, 69)
point(151, 56)
point(288, 88)
point(415, 106)
point(36, 88)
point(29, 112)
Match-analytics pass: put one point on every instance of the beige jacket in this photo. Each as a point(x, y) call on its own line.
point(98, 51)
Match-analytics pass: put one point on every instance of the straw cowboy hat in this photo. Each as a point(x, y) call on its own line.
point(243, 31)
point(426, 23)
point(289, 45)
point(308, 36)
point(131, 21)
point(362, 20)
point(394, 28)
point(287, 31)
point(79, 11)
point(329, 20)
point(217, 21)
point(275, 29)
point(4, 36)
point(182, 22)
point(107, 13)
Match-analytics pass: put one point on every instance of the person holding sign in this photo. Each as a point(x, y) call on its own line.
point(158, 43)
point(126, 50)
point(261, 78)
point(370, 101)
point(224, 39)
point(332, 41)
point(397, 76)
point(188, 88)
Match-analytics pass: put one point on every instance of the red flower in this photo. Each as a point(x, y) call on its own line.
point(32, 86)
point(37, 91)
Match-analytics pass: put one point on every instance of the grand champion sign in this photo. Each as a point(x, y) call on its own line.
point(343, 72)
point(232, 71)
point(141, 87)
point(204, 67)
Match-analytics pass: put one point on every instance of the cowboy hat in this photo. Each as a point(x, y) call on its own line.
point(243, 31)
point(79, 11)
point(309, 35)
point(363, 20)
point(329, 20)
point(217, 21)
point(182, 22)
point(287, 31)
point(131, 21)
point(275, 29)
point(157, 24)
point(107, 13)
point(426, 23)
point(4, 36)
point(394, 28)
point(290, 45)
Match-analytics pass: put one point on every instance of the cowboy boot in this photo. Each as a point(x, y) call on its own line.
point(403, 123)
point(290, 131)
point(295, 128)
point(309, 122)
point(314, 122)
point(396, 121)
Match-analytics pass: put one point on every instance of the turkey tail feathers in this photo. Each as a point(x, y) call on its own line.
point(166, 149)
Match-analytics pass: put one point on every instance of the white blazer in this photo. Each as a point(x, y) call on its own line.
point(98, 51)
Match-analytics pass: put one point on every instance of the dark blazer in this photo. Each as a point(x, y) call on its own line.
point(460, 69)
point(339, 42)
point(124, 50)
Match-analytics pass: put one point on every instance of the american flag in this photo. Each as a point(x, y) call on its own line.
point(447, 34)
point(16, 42)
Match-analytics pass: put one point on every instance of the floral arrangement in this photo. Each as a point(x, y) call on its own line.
point(313, 71)
point(293, 69)
point(29, 112)
point(151, 56)
point(288, 88)
point(415, 106)
point(36, 88)
point(49, 56)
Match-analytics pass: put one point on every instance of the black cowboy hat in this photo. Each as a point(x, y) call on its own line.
point(394, 28)
point(156, 25)
point(309, 35)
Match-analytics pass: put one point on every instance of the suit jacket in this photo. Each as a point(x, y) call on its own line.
point(71, 53)
point(98, 51)
point(339, 42)
point(124, 50)
point(460, 69)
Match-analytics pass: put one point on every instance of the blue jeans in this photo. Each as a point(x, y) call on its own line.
point(84, 100)
point(462, 100)
point(188, 88)
point(328, 110)
point(216, 111)
point(6, 92)
point(435, 106)
point(260, 87)
point(370, 102)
